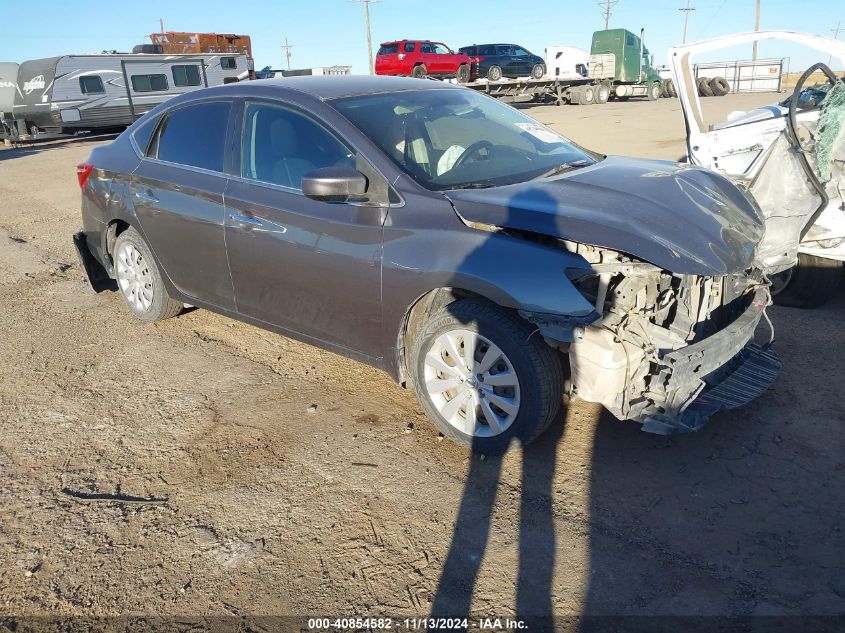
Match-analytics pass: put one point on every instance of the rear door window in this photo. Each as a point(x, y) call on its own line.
point(281, 145)
point(195, 135)
point(410, 47)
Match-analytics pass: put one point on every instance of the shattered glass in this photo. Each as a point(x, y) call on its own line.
point(830, 136)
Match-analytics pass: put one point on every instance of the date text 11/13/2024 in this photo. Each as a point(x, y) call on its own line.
point(416, 624)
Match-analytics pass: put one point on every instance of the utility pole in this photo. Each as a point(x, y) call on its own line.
point(607, 10)
point(686, 11)
point(756, 28)
point(836, 37)
point(287, 48)
point(161, 24)
point(366, 4)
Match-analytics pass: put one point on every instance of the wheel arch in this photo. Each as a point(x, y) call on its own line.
point(422, 307)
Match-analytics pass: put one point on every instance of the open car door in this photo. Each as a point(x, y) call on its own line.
point(790, 156)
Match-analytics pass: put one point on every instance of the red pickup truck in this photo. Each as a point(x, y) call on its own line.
point(419, 58)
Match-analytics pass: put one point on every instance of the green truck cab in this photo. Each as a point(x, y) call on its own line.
point(619, 58)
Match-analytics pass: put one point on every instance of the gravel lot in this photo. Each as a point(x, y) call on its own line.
point(238, 500)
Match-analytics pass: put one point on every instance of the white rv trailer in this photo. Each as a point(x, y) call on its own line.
point(88, 92)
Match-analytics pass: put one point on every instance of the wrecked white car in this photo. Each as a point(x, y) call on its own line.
point(790, 157)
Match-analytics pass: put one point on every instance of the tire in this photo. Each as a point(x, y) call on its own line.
point(719, 86)
point(538, 71)
point(811, 283)
point(147, 298)
point(419, 71)
point(673, 92)
point(602, 93)
point(494, 73)
point(538, 384)
point(653, 91)
point(463, 73)
point(704, 87)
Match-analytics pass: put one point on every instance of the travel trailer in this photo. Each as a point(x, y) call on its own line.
point(73, 93)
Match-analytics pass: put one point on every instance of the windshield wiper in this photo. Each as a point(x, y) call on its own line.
point(575, 164)
point(475, 185)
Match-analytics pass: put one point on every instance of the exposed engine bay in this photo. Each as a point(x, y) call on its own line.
point(668, 350)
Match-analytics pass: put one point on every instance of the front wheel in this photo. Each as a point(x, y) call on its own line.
point(483, 378)
point(811, 283)
point(139, 279)
point(538, 71)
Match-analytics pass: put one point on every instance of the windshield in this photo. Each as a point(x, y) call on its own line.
point(451, 139)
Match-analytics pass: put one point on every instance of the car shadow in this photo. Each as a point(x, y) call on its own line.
point(690, 532)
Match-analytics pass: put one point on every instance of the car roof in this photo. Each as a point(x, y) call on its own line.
point(324, 87)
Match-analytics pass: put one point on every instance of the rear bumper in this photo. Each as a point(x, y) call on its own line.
point(723, 371)
point(95, 273)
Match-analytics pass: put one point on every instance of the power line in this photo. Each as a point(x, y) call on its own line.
point(287, 48)
point(607, 10)
point(756, 28)
point(366, 4)
point(836, 37)
point(686, 11)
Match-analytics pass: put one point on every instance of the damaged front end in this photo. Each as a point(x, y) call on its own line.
point(668, 350)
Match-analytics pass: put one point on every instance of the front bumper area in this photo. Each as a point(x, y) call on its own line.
point(723, 371)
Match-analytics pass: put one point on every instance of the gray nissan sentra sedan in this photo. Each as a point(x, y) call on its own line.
point(469, 251)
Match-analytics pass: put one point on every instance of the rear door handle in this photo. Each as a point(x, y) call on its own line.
point(244, 219)
point(146, 196)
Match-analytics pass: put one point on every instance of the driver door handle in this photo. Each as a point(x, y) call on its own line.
point(244, 219)
point(146, 196)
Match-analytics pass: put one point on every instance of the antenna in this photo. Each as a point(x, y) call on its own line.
point(287, 48)
point(607, 10)
point(366, 4)
point(686, 11)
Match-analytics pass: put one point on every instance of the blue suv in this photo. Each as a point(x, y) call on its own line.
point(495, 61)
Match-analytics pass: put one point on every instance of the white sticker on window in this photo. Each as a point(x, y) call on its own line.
point(539, 132)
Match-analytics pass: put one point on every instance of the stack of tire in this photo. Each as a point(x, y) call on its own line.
point(707, 87)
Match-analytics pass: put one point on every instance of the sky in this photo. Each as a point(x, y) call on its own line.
point(329, 32)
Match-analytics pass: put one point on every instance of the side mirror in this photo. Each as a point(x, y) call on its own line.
point(334, 184)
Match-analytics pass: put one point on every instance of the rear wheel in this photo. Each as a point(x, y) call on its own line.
point(419, 71)
point(602, 93)
point(494, 73)
point(538, 71)
point(483, 379)
point(654, 91)
point(811, 283)
point(139, 279)
point(463, 73)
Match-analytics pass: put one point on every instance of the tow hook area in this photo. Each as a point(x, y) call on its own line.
point(97, 277)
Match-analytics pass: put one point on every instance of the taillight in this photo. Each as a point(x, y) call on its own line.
point(83, 171)
point(401, 56)
point(475, 60)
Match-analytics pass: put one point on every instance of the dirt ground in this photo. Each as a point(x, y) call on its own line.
point(234, 499)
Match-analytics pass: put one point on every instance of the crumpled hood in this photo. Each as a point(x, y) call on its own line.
point(684, 219)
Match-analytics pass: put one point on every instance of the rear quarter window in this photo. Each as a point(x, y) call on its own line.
point(388, 49)
point(195, 135)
